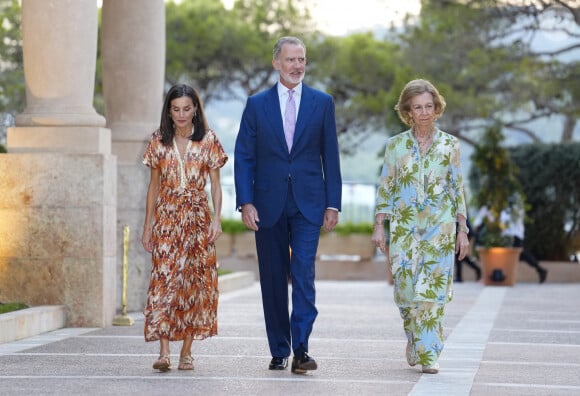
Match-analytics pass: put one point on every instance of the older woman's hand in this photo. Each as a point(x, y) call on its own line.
point(461, 245)
point(379, 237)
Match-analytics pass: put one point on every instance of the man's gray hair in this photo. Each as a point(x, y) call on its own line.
point(286, 40)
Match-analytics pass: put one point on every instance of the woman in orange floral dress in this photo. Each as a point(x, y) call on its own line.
point(179, 230)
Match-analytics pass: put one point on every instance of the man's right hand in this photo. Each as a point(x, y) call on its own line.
point(250, 216)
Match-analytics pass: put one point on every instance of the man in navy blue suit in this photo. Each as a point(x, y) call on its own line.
point(288, 186)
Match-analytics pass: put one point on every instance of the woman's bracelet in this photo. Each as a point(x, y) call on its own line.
point(463, 228)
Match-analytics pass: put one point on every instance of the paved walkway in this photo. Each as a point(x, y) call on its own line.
point(523, 340)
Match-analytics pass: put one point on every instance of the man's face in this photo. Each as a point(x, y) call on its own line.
point(291, 63)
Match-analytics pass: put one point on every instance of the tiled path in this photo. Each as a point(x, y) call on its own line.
point(523, 340)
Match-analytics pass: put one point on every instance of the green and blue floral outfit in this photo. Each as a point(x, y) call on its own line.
point(421, 197)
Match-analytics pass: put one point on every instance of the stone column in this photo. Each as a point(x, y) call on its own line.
point(60, 53)
point(133, 59)
point(58, 209)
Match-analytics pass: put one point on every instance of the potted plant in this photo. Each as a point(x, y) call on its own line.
point(494, 182)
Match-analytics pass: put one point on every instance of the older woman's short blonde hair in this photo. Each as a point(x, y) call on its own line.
point(412, 89)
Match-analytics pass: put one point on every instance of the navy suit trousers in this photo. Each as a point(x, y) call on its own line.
point(287, 253)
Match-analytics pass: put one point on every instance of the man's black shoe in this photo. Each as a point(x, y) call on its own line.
point(278, 363)
point(300, 365)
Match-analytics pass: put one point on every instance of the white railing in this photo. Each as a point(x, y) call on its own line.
point(358, 202)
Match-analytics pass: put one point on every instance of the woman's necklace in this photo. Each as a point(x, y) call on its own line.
point(185, 134)
point(425, 141)
point(182, 141)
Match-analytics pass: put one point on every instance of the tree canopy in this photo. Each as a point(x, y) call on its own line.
point(362, 75)
point(483, 55)
point(227, 54)
point(12, 95)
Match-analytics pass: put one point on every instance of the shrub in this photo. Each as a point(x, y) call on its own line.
point(9, 307)
point(550, 175)
point(232, 226)
point(354, 228)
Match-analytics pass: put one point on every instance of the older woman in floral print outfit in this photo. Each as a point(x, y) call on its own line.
point(421, 193)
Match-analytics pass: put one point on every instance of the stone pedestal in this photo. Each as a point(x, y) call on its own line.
point(63, 139)
point(57, 227)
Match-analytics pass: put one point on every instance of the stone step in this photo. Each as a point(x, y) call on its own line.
point(37, 320)
point(235, 280)
point(29, 322)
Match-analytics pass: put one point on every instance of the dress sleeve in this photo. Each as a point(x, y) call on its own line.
point(387, 182)
point(151, 156)
point(217, 155)
point(457, 180)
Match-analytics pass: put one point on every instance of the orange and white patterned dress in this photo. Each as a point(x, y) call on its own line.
point(182, 299)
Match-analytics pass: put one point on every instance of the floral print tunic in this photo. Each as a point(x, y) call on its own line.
point(421, 196)
point(182, 298)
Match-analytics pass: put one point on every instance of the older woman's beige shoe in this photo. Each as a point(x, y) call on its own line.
point(433, 369)
point(410, 358)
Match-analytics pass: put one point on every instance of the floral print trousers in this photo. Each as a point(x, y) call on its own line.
point(423, 325)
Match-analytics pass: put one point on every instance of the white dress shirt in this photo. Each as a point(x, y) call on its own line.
point(283, 96)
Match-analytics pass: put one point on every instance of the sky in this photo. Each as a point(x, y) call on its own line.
point(338, 18)
point(343, 17)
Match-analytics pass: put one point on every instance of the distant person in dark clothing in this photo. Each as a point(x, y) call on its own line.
point(512, 219)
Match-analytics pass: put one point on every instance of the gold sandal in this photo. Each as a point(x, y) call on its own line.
point(185, 363)
point(162, 364)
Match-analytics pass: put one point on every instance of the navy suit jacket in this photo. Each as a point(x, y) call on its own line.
point(262, 164)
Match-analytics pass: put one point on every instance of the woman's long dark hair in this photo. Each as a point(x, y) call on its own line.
point(166, 126)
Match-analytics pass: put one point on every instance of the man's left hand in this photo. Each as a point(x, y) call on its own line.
point(330, 220)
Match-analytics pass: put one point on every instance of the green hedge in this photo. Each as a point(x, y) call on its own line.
point(354, 228)
point(550, 176)
point(232, 226)
point(9, 307)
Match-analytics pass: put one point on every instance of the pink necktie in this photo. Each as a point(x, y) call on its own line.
point(290, 119)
